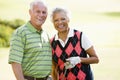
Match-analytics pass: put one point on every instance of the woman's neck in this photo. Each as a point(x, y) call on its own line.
point(63, 35)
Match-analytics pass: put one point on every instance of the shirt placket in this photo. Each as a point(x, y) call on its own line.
point(40, 43)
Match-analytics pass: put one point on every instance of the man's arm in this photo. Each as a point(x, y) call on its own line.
point(17, 69)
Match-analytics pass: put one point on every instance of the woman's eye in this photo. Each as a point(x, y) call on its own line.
point(55, 20)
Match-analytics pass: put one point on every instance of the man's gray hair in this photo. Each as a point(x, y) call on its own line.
point(34, 2)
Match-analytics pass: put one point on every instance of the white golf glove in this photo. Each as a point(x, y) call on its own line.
point(72, 61)
point(68, 65)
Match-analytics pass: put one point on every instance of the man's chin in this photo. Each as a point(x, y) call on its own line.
point(40, 23)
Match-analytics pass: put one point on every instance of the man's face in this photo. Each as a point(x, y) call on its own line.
point(38, 14)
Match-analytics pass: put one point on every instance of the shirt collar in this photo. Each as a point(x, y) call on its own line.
point(32, 28)
point(70, 34)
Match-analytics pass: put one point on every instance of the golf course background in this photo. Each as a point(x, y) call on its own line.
point(98, 19)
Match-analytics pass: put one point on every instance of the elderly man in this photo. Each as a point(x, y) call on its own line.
point(30, 52)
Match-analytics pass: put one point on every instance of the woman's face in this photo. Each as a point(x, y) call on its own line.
point(60, 21)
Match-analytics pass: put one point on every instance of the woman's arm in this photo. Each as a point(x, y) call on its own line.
point(54, 71)
point(93, 58)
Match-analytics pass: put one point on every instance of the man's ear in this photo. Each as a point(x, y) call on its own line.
point(29, 12)
point(68, 19)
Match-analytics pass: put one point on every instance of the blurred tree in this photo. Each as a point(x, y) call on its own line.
point(6, 29)
point(13, 24)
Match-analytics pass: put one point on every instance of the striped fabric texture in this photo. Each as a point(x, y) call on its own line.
point(31, 48)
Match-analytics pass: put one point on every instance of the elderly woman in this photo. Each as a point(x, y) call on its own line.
point(72, 51)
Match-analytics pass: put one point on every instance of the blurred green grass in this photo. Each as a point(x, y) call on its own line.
point(106, 69)
point(109, 66)
point(113, 14)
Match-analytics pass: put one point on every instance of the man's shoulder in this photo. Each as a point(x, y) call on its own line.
point(20, 29)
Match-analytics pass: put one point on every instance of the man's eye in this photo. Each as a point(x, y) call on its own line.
point(38, 11)
point(63, 19)
point(44, 12)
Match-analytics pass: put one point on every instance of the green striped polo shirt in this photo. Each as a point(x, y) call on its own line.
point(31, 48)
